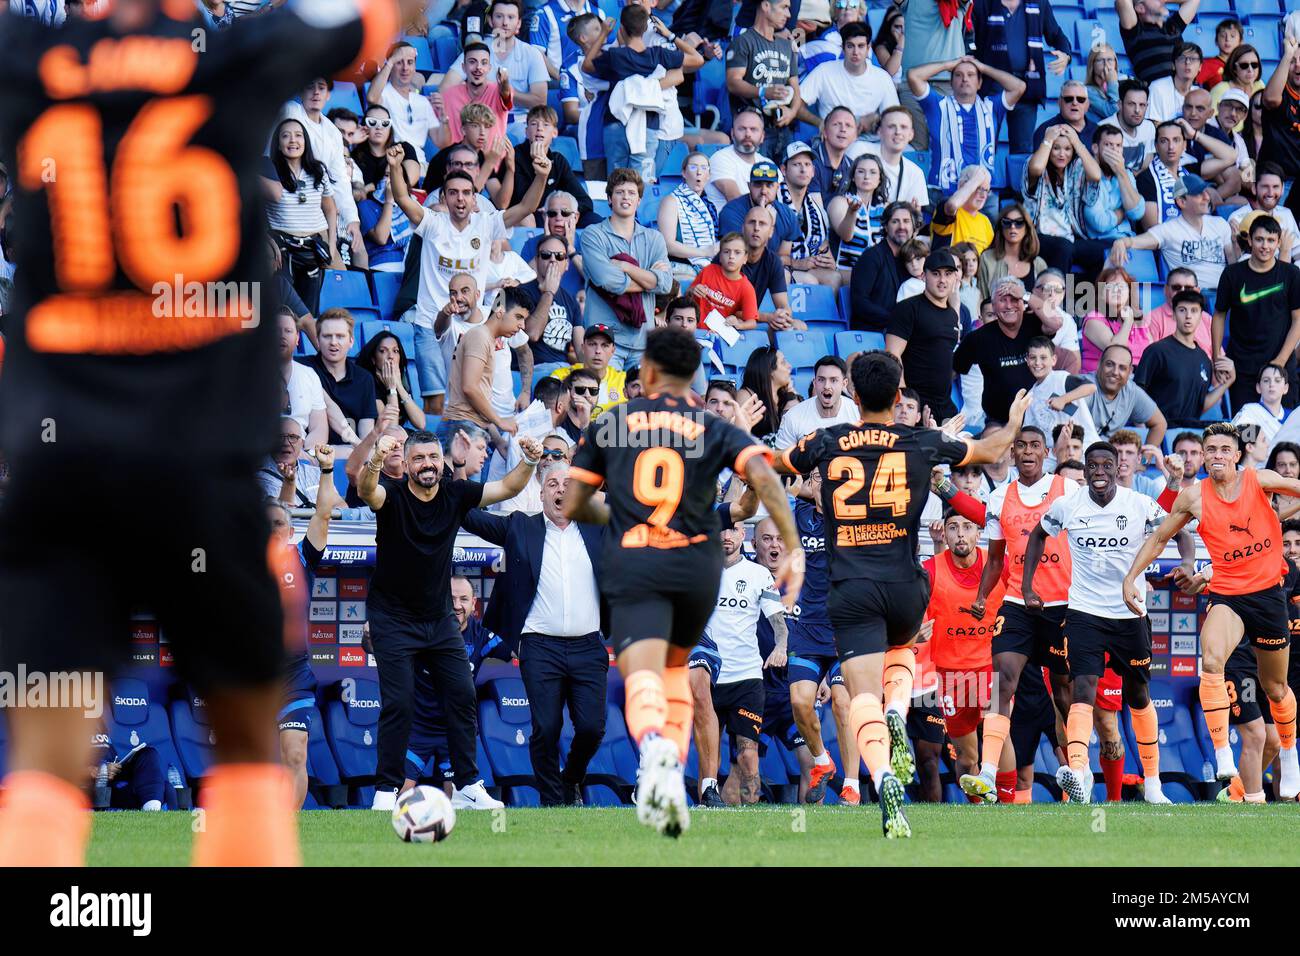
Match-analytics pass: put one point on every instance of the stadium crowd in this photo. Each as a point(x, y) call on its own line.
point(1093, 202)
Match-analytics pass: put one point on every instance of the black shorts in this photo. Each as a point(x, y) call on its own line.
point(739, 706)
point(1241, 675)
point(1262, 614)
point(925, 724)
point(869, 617)
point(656, 610)
point(1039, 637)
point(1032, 715)
point(190, 547)
point(1088, 638)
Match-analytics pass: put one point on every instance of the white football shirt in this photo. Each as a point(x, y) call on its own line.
point(746, 591)
point(1103, 543)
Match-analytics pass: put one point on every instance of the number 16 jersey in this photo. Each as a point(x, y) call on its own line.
point(875, 481)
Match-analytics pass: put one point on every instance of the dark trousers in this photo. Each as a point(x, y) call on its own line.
point(1058, 253)
point(559, 671)
point(401, 644)
point(1021, 123)
point(141, 780)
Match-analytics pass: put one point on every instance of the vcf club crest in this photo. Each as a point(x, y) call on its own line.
point(741, 586)
point(1121, 522)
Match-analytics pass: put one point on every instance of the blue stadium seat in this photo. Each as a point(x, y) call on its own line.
point(522, 795)
point(1045, 760)
point(423, 56)
point(952, 793)
point(846, 343)
point(193, 734)
point(445, 47)
point(1263, 36)
point(1016, 163)
point(801, 380)
point(1142, 266)
point(135, 718)
point(404, 331)
point(348, 290)
point(344, 96)
point(672, 164)
point(600, 207)
point(1083, 32)
point(600, 795)
point(771, 767)
point(1249, 9)
point(1220, 7)
point(1000, 164)
point(1177, 791)
point(647, 213)
point(505, 724)
point(1042, 795)
point(321, 766)
point(567, 147)
point(386, 287)
point(1180, 752)
point(616, 758)
point(520, 235)
point(735, 356)
point(1108, 17)
point(801, 349)
point(352, 729)
point(304, 345)
point(816, 305)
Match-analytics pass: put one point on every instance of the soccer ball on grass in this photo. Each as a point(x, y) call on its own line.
point(423, 815)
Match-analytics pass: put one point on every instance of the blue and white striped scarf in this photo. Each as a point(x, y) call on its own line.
point(697, 221)
point(951, 137)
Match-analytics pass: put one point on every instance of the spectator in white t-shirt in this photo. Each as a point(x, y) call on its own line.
point(1268, 201)
point(287, 473)
point(854, 82)
point(1193, 239)
point(828, 405)
point(729, 167)
point(904, 180)
point(394, 88)
point(1268, 412)
point(305, 397)
point(1137, 128)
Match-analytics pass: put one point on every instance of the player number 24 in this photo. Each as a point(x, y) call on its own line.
point(888, 485)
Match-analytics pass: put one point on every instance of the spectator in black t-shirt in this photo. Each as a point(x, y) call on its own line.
point(999, 348)
point(351, 388)
point(923, 332)
point(1150, 32)
point(409, 608)
point(1281, 119)
point(542, 128)
point(1177, 373)
point(555, 312)
point(876, 276)
point(765, 270)
point(1259, 298)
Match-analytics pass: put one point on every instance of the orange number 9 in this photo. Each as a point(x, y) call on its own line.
point(658, 479)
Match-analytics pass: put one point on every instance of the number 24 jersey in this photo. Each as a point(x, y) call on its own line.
point(875, 482)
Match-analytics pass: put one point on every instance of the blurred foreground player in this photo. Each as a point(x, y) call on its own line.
point(1244, 538)
point(659, 458)
point(875, 482)
point(134, 168)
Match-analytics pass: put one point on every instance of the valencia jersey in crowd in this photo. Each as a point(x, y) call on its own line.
point(139, 326)
point(875, 482)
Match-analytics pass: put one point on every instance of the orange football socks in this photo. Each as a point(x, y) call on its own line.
point(996, 729)
point(899, 676)
point(1284, 719)
point(1146, 728)
point(646, 705)
point(1214, 701)
point(867, 721)
point(46, 821)
point(680, 709)
point(1078, 731)
point(248, 817)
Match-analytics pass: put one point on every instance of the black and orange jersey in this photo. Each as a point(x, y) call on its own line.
point(659, 458)
point(875, 481)
point(141, 323)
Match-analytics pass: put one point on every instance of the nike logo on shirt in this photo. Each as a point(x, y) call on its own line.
point(1248, 297)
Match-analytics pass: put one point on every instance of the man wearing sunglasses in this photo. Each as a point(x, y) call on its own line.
point(561, 219)
point(596, 349)
point(556, 314)
point(1072, 111)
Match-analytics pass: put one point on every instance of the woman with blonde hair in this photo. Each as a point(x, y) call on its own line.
point(1102, 80)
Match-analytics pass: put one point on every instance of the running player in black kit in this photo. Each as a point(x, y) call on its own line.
point(134, 169)
point(875, 481)
point(659, 458)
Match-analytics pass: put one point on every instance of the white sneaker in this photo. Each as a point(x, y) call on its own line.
point(661, 789)
point(384, 800)
point(1154, 795)
point(474, 797)
point(1226, 765)
point(1078, 786)
point(1289, 785)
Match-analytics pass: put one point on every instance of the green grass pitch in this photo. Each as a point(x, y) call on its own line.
point(1130, 834)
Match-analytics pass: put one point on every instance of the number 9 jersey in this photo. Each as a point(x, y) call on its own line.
point(140, 323)
point(875, 482)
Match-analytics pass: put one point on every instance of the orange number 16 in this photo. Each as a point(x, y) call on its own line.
point(157, 182)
